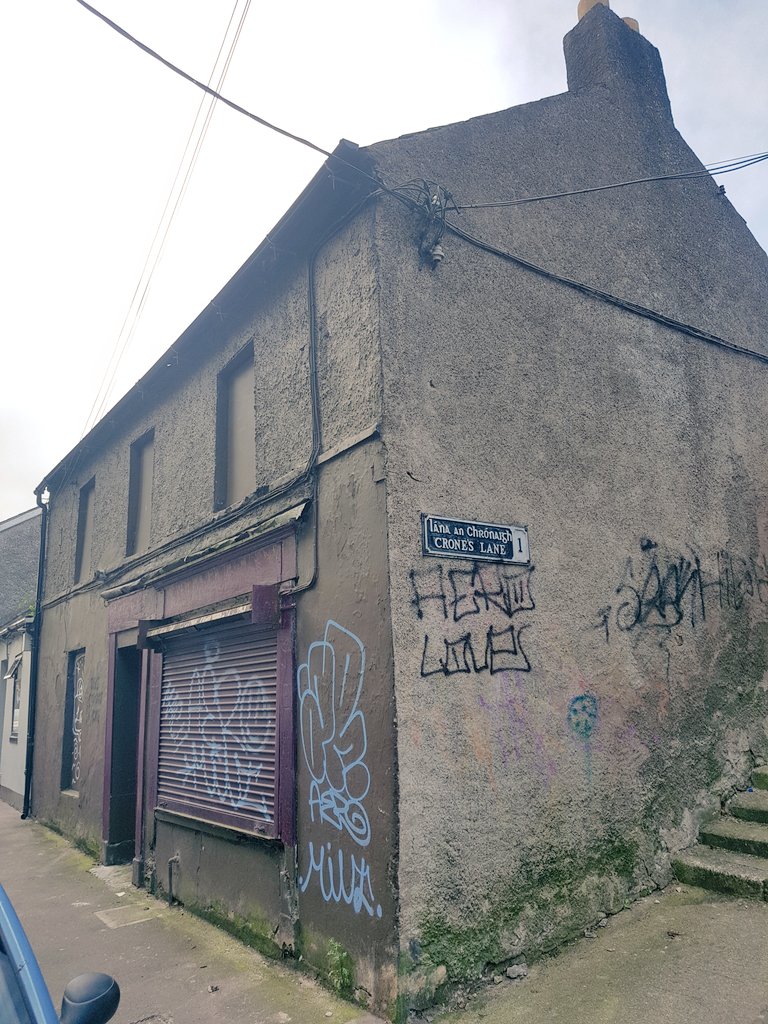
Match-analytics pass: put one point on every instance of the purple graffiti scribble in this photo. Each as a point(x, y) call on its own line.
point(512, 723)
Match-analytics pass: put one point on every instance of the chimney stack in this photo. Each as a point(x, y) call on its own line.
point(607, 52)
point(587, 5)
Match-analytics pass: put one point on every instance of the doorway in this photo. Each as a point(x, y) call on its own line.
point(119, 847)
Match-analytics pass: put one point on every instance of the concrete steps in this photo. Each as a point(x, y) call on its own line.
point(750, 806)
point(732, 853)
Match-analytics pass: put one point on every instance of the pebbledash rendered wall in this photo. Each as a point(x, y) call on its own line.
point(627, 695)
point(493, 805)
point(329, 879)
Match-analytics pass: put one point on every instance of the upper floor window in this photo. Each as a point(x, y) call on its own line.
point(140, 493)
point(83, 567)
point(235, 431)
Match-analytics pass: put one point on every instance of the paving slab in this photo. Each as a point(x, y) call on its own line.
point(172, 967)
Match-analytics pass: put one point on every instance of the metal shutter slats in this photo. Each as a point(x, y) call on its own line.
point(218, 711)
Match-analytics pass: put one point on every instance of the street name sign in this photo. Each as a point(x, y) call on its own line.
point(463, 538)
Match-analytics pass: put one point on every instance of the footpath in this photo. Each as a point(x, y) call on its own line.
point(684, 956)
point(172, 968)
point(681, 956)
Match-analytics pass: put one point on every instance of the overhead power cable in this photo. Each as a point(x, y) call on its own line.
point(607, 297)
point(404, 194)
point(382, 189)
point(710, 171)
point(202, 85)
point(176, 194)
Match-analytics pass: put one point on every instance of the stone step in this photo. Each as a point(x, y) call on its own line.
point(723, 871)
point(760, 778)
point(750, 806)
point(749, 837)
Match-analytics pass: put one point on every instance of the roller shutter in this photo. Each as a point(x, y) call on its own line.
point(217, 753)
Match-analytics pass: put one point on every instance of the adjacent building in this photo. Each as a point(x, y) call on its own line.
point(19, 554)
point(413, 608)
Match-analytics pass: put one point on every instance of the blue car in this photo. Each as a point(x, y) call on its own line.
point(24, 998)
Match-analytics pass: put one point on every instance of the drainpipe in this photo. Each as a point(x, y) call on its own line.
point(33, 668)
point(175, 859)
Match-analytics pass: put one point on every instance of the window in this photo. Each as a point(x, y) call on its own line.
point(14, 675)
point(218, 726)
point(71, 763)
point(235, 432)
point(16, 706)
point(140, 493)
point(83, 568)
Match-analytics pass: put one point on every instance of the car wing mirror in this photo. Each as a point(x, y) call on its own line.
point(90, 999)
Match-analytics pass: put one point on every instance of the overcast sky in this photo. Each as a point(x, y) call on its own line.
point(94, 131)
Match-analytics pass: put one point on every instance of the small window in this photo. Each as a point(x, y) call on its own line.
point(140, 493)
point(235, 432)
point(14, 675)
point(83, 568)
point(71, 752)
point(16, 707)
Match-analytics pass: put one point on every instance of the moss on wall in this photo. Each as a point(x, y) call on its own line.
point(547, 904)
point(251, 931)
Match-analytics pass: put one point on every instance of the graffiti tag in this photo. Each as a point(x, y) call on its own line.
point(484, 599)
point(219, 729)
point(334, 744)
point(660, 591)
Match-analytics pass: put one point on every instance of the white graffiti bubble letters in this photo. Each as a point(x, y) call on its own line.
point(333, 734)
point(334, 743)
point(341, 881)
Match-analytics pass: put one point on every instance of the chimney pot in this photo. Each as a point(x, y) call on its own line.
point(633, 23)
point(587, 5)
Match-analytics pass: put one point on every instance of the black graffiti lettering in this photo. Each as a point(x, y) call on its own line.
point(485, 600)
point(491, 591)
point(664, 597)
point(463, 586)
point(504, 650)
point(760, 569)
point(662, 592)
point(604, 615)
point(500, 650)
point(740, 580)
point(432, 578)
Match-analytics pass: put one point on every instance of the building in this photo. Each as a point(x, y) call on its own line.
point(19, 554)
point(261, 682)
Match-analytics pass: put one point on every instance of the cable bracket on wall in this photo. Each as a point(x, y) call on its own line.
point(433, 202)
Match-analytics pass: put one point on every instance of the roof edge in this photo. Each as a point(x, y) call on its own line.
point(342, 181)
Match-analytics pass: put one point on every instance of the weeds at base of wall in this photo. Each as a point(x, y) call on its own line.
point(340, 969)
point(331, 965)
point(239, 927)
point(82, 843)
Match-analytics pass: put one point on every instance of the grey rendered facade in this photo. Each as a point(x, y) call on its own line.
point(472, 762)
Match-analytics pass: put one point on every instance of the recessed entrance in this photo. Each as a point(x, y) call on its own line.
point(119, 847)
